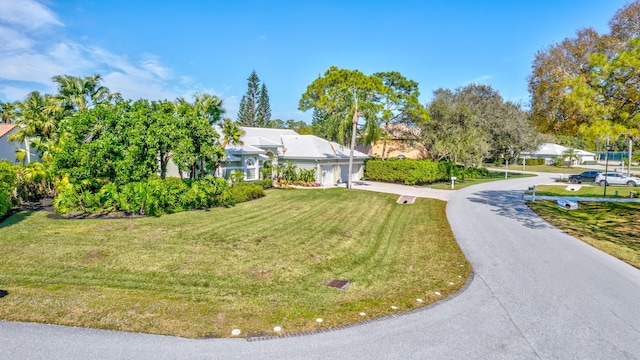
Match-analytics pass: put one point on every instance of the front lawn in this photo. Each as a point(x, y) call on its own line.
point(584, 191)
point(251, 267)
point(610, 227)
point(493, 176)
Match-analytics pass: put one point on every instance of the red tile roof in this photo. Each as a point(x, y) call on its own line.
point(5, 128)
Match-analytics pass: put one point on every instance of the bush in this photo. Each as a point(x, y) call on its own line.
point(7, 185)
point(5, 203)
point(533, 162)
point(265, 183)
point(150, 197)
point(412, 172)
point(243, 192)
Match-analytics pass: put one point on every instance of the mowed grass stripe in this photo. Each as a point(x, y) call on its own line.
point(252, 266)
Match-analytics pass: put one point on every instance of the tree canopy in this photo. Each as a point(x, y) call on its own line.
point(254, 110)
point(474, 122)
point(554, 110)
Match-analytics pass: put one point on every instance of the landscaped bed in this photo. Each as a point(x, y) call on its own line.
point(252, 267)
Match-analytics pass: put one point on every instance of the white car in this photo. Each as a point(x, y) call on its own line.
point(616, 178)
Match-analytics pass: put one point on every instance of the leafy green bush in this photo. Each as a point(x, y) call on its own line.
point(533, 162)
point(265, 183)
point(150, 197)
point(246, 191)
point(412, 172)
point(7, 185)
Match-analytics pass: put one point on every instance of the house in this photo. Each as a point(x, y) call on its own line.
point(8, 149)
point(330, 159)
point(402, 141)
point(550, 151)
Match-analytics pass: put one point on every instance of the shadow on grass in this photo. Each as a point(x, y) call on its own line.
point(3, 293)
point(14, 218)
point(509, 204)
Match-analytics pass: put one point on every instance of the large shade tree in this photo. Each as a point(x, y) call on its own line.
point(474, 122)
point(558, 64)
point(346, 99)
point(402, 110)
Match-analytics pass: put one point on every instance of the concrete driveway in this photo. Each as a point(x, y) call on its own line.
point(537, 293)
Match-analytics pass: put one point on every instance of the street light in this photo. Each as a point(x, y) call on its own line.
point(606, 166)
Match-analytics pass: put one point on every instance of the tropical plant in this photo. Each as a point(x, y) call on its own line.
point(340, 99)
point(570, 155)
point(79, 93)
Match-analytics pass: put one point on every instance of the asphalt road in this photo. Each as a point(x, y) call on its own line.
point(537, 293)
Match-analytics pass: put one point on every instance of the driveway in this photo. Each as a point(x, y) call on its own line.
point(537, 293)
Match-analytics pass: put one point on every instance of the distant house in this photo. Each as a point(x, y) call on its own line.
point(550, 151)
point(8, 149)
point(402, 142)
point(330, 159)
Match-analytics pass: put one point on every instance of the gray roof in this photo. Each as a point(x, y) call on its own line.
point(290, 145)
point(313, 147)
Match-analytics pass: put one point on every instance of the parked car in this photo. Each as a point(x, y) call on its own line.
point(584, 177)
point(616, 178)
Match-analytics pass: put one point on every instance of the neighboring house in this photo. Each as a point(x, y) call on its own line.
point(550, 151)
point(402, 142)
point(330, 159)
point(7, 148)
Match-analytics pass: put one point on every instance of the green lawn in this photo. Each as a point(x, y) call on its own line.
point(251, 267)
point(610, 227)
point(584, 191)
point(543, 168)
point(493, 176)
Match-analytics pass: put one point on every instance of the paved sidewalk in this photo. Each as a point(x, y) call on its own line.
point(399, 189)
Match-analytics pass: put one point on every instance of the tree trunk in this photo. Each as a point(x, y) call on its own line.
point(353, 141)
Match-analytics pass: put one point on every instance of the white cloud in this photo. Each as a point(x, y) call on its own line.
point(29, 60)
point(11, 40)
point(27, 13)
point(480, 79)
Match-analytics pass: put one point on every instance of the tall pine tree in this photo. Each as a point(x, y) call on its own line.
point(263, 114)
point(254, 110)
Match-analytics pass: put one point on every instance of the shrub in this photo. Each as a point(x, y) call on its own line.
point(533, 162)
point(34, 182)
point(412, 172)
point(7, 185)
point(265, 183)
point(245, 192)
point(5, 203)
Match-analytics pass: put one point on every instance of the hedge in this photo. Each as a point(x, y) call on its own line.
point(7, 185)
point(412, 172)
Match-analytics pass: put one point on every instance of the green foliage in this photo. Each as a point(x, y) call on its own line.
point(243, 192)
point(532, 162)
point(265, 183)
point(149, 197)
point(7, 184)
point(474, 122)
point(412, 172)
point(254, 110)
point(34, 181)
point(558, 161)
point(236, 176)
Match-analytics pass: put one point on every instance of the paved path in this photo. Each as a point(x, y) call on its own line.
point(537, 294)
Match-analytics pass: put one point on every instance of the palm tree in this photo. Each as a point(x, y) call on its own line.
point(79, 93)
point(231, 134)
point(7, 111)
point(570, 154)
point(37, 118)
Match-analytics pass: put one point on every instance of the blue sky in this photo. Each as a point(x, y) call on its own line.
point(164, 49)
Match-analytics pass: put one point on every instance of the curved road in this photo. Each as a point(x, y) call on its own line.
point(537, 293)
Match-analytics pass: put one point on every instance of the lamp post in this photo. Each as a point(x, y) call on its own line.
point(606, 166)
